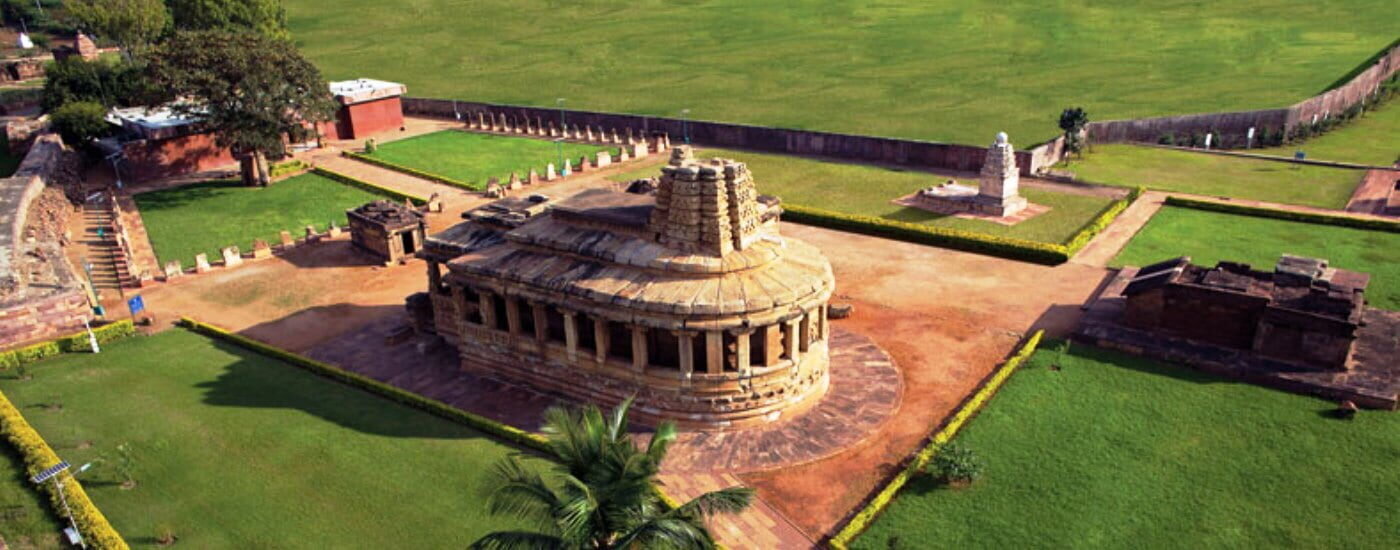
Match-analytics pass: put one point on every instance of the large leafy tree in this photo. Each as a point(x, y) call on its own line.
point(266, 17)
point(248, 89)
point(1072, 122)
point(606, 497)
point(130, 23)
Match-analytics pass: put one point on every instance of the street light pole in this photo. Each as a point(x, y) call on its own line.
point(685, 125)
point(559, 143)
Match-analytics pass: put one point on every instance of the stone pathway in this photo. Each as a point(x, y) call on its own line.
point(1377, 194)
point(398, 181)
point(760, 526)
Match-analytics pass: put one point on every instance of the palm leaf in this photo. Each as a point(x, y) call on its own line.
point(518, 540)
point(724, 501)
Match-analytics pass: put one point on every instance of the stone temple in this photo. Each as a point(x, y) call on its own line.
point(998, 192)
point(690, 300)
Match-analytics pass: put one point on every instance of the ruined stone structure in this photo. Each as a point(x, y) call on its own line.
point(690, 300)
point(1304, 313)
point(998, 192)
point(387, 229)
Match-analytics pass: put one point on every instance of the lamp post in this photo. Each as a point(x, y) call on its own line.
point(685, 125)
point(559, 143)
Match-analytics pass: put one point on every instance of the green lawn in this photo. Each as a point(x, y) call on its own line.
point(1112, 451)
point(206, 217)
point(867, 190)
point(1217, 175)
point(956, 71)
point(25, 519)
point(231, 449)
point(1209, 237)
point(475, 158)
point(1373, 139)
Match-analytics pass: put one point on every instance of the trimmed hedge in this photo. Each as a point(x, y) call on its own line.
point(66, 344)
point(410, 171)
point(289, 167)
point(362, 184)
point(96, 531)
point(916, 463)
point(1289, 215)
point(437, 408)
point(958, 239)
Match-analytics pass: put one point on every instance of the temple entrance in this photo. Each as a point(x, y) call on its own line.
point(407, 237)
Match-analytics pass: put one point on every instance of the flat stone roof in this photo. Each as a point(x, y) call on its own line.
point(611, 207)
point(349, 92)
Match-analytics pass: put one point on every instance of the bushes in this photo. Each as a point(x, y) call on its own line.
point(67, 344)
point(37, 456)
point(1307, 217)
point(915, 463)
point(410, 171)
point(80, 122)
point(293, 166)
point(362, 184)
point(968, 241)
point(438, 408)
point(955, 465)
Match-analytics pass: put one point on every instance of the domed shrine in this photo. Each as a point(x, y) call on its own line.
point(690, 300)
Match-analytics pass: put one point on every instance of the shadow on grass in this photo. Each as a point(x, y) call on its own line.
point(254, 381)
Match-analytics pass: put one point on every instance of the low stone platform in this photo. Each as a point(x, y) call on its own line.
point(1030, 211)
point(865, 391)
point(1374, 381)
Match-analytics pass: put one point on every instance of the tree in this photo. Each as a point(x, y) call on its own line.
point(130, 23)
point(111, 83)
point(607, 498)
point(248, 89)
point(1072, 122)
point(80, 122)
point(265, 17)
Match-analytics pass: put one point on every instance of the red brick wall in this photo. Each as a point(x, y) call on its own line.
point(43, 319)
point(153, 159)
point(372, 117)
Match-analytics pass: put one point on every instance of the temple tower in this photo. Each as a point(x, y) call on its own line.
point(705, 207)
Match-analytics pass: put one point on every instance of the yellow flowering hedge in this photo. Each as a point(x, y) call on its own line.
point(1289, 215)
point(37, 456)
point(916, 463)
point(410, 171)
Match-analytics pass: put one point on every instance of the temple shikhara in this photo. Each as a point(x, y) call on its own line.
point(690, 300)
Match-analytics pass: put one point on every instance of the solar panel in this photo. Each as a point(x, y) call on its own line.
point(50, 472)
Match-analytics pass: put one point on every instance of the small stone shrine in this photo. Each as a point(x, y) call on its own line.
point(688, 300)
point(997, 194)
point(387, 229)
point(1302, 327)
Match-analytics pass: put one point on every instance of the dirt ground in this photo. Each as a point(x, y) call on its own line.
point(947, 318)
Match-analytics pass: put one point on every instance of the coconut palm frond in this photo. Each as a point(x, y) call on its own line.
point(668, 533)
point(518, 540)
point(724, 501)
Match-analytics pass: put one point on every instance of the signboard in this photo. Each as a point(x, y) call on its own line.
point(136, 304)
point(1299, 155)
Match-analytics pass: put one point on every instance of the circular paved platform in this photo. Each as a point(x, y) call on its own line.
point(865, 391)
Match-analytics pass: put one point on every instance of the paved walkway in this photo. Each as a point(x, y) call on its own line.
point(1377, 194)
point(759, 527)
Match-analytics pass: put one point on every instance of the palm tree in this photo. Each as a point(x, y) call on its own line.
point(606, 497)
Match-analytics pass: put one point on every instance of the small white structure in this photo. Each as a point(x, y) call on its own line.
point(998, 193)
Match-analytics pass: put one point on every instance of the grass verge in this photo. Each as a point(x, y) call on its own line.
point(472, 159)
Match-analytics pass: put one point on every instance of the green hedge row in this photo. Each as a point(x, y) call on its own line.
point(66, 344)
point(410, 171)
point(437, 408)
point(867, 514)
point(959, 239)
point(289, 167)
point(362, 184)
point(1290, 215)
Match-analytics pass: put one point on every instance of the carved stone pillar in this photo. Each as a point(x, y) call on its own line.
point(512, 315)
point(541, 315)
point(487, 303)
point(600, 339)
point(434, 278)
point(772, 344)
point(571, 334)
point(791, 348)
point(809, 322)
point(741, 350)
point(687, 352)
point(639, 348)
point(714, 352)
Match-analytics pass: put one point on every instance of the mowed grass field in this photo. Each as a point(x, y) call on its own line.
point(956, 71)
point(1217, 175)
point(475, 158)
point(205, 217)
point(25, 519)
point(1373, 139)
point(1112, 451)
point(867, 190)
point(230, 449)
point(1209, 237)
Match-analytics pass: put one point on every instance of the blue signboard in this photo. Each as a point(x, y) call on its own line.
point(136, 305)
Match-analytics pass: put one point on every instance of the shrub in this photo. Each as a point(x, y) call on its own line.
point(955, 465)
point(1290, 215)
point(80, 122)
point(370, 146)
point(362, 184)
point(67, 344)
point(110, 83)
point(410, 171)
